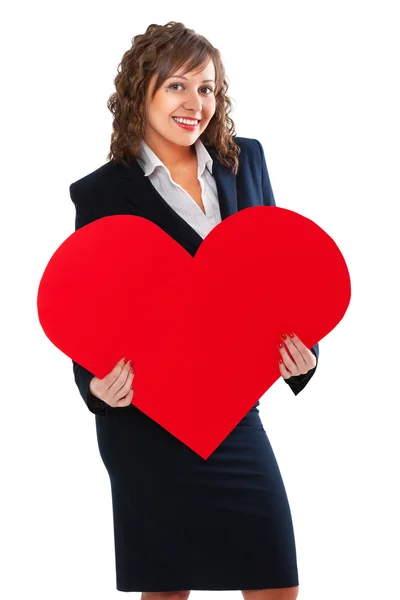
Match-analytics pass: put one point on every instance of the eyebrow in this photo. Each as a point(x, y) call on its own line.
point(183, 77)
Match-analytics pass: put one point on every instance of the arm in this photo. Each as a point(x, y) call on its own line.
point(82, 376)
point(297, 382)
point(268, 194)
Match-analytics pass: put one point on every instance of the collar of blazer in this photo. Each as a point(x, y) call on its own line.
point(148, 203)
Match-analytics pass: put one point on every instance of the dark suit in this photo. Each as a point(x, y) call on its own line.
point(181, 522)
point(112, 190)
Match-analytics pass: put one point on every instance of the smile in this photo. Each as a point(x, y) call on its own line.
point(185, 126)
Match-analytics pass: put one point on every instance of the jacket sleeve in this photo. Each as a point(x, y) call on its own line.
point(82, 376)
point(297, 382)
point(268, 194)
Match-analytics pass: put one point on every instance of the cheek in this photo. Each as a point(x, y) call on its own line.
point(211, 110)
point(162, 104)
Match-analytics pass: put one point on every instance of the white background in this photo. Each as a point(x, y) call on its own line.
point(317, 84)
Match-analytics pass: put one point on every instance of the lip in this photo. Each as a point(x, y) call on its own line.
point(181, 117)
point(187, 127)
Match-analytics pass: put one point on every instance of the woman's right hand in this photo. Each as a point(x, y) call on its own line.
point(115, 388)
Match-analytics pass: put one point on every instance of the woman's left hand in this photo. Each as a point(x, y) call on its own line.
point(296, 358)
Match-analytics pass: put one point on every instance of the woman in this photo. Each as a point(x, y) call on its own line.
point(182, 522)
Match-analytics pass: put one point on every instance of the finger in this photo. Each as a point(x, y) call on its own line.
point(118, 379)
point(125, 388)
point(297, 349)
point(307, 354)
point(125, 401)
point(289, 363)
point(111, 377)
point(284, 371)
point(121, 387)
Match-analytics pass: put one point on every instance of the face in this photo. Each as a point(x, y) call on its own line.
point(191, 96)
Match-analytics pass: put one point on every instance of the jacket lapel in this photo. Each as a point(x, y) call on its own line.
point(148, 203)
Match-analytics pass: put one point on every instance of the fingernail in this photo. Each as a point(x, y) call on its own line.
point(284, 336)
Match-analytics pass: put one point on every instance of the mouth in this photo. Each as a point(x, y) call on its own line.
point(185, 126)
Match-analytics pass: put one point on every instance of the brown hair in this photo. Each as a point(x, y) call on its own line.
point(163, 50)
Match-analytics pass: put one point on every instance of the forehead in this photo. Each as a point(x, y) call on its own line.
point(205, 70)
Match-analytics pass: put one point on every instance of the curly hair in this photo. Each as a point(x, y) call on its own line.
point(162, 50)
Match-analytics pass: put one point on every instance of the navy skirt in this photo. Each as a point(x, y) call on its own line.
point(185, 523)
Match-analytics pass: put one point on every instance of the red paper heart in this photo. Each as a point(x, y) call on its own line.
point(202, 331)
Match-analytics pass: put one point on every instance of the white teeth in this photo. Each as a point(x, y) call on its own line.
point(185, 121)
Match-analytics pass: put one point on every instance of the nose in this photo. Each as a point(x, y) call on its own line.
point(193, 103)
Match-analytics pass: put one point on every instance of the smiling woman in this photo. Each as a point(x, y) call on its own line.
point(182, 522)
point(174, 77)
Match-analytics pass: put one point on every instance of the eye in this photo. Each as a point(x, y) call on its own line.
point(207, 87)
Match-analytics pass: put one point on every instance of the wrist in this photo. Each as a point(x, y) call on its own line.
point(92, 386)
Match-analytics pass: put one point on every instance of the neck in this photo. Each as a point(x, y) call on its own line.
point(172, 155)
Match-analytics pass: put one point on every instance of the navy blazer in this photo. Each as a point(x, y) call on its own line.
point(113, 189)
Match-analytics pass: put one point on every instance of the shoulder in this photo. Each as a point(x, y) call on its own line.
point(247, 144)
point(97, 180)
point(251, 153)
point(250, 148)
point(92, 181)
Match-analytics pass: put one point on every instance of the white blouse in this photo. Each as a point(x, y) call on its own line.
point(178, 199)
